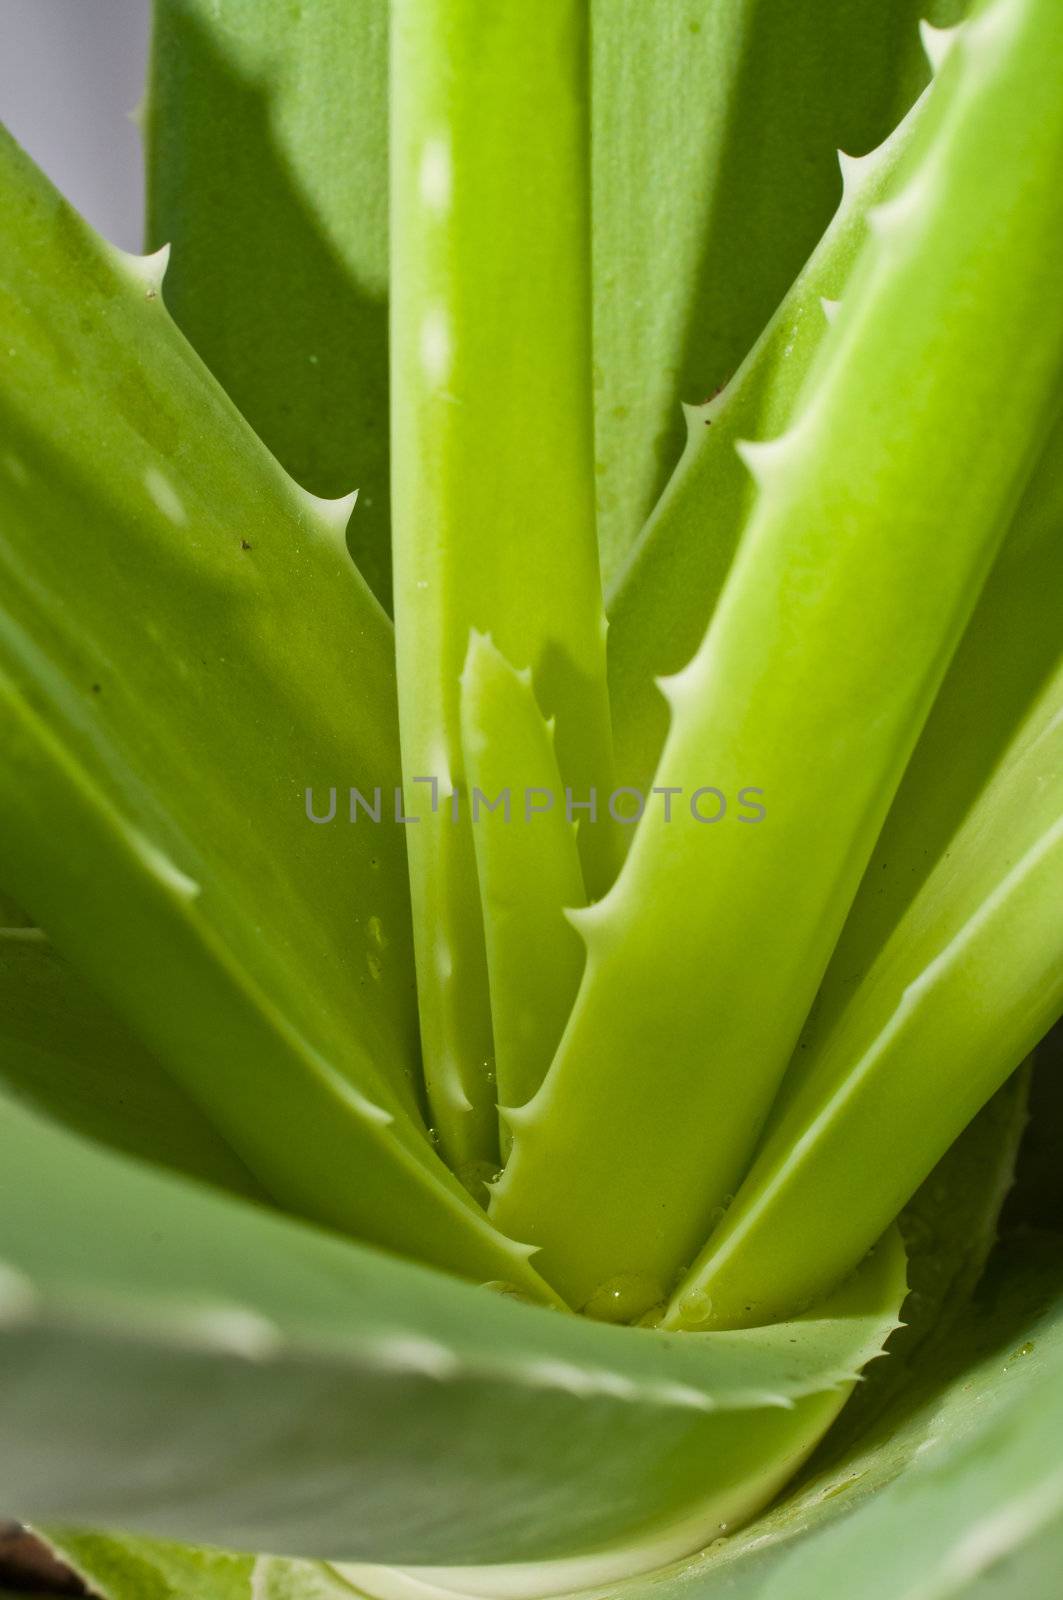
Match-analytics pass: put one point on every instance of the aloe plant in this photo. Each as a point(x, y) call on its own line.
point(513, 981)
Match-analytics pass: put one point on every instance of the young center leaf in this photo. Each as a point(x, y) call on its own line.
point(493, 464)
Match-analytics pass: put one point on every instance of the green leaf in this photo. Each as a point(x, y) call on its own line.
point(64, 1055)
point(1010, 646)
point(493, 462)
point(1004, 684)
point(715, 128)
point(176, 1362)
point(967, 976)
point(888, 1516)
point(266, 135)
point(528, 867)
point(667, 590)
point(818, 602)
point(949, 1227)
point(223, 657)
point(128, 1568)
point(957, 1485)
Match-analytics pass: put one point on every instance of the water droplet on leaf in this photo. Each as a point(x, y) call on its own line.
point(624, 1298)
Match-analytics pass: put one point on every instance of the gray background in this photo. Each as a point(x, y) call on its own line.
point(71, 71)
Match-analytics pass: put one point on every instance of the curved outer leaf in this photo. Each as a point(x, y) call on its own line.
point(819, 607)
point(714, 129)
point(905, 1512)
point(528, 866)
point(221, 629)
point(175, 1361)
point(956, 1486)
point(67, 1057)
point(956, 1222)
point(908, 1512)
point(493, 460)
point(266, 136)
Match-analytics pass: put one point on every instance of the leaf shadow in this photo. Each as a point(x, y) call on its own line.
point(262, 290)
point(777, 180)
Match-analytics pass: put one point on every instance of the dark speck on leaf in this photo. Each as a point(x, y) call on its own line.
point(96, 689)
point(244, 545)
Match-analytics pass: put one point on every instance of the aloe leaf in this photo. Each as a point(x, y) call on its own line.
point(667, 590)
point(850, 620)
point(1002, 684)
point(205, 1355)
point(982, 1499)
point(906, 1512)
point(944, 878)
point(950, 1228)
point(672, 581)
point(714, 137)
point(266, 138)
point(969, 981)
point(129, 1568)
point(493, 461)
point(277, 1579)
point(528, 867)
point(64, 1055)
point(995, 1504)
point(222, 629)
point(903, 1513)
point(999, 686)
point(892, 1515)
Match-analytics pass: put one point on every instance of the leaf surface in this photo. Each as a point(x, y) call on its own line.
point(714, 173)
point(954, 1494)
point(528, 867)
point(821, 619)
point(493, 463)
point(907, 1511)
point(666, 591)
point(222, 658)
point(951, 966)
point(174, 1361)
point(64, 1055)
point(266, 137)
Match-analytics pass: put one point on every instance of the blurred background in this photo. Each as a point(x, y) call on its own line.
point(71, 73)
